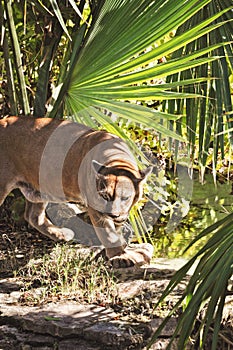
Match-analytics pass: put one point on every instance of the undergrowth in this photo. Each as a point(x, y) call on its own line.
point(68, 272)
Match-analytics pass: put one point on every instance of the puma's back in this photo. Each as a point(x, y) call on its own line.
point(23, 141)
point(51, 153)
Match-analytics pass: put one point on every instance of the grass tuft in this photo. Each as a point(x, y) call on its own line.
point(69, 273)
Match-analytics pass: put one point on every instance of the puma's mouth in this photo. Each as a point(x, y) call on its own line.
point(118, 219)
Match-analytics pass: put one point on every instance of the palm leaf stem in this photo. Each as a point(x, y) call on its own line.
point(50, 44)
point(7, 59)
point(17, 55)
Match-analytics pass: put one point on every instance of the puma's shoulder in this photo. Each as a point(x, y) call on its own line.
point(61, 161)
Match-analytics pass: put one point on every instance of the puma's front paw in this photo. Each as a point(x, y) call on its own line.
point(62, 234)
point(133, 255)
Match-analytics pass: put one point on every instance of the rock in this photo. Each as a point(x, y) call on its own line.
point(130, 289)
point(10, 336)
point(91, 323)
point(50, 324)
point(112, 334)
point(168, 330)
point(56, 319)
point(72, 216)
point(74, 344)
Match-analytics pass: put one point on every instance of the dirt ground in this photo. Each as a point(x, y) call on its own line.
point(67, 324)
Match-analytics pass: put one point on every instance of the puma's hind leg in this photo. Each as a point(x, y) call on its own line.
point(3, 194)
point(35, 215)
point(7, 184)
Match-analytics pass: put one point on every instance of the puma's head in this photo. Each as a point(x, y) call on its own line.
point(119, 188)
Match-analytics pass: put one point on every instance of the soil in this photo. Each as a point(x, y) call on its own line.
point(127, 323)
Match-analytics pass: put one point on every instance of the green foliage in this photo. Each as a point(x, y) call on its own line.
point(92, 56)
point(208, 119)
point(208, 285)
point(107, 64)
point(109, 69)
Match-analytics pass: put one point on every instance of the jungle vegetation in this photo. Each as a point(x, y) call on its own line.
point(162, 66)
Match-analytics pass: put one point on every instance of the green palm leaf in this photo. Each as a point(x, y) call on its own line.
point(207, 285)
point(59, 16)
point(111, 64)
point(207, 121)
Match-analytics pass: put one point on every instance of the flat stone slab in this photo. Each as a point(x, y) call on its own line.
point(56, 319)
point(60, 321)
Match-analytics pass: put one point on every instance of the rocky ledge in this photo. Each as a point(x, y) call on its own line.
point(68, 325)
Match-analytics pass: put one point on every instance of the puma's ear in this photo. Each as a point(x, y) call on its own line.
point(97, 166)
point(145, 173)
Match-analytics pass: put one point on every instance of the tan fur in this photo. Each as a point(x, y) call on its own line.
point(52, 161)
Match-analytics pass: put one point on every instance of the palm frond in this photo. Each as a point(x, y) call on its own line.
point(207, 285)
point(206, 121)
point(59, 16)
point(18, 58)
point(8, 63)
point(113, 63)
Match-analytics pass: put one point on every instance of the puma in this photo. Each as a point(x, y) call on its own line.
point(61, 161)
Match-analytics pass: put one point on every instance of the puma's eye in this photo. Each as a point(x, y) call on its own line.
point(106, 196)
point(124, 199)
